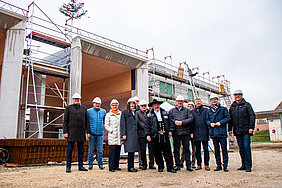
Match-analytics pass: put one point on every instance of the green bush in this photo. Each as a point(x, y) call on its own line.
point(261, 136)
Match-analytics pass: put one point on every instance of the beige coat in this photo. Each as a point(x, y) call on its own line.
point(112, 125)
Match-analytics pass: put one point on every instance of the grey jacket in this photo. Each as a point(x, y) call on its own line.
point(141, 119)
point(184, 115)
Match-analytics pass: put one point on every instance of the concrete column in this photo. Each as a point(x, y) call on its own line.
point(11, 80)
point(75, 68)
point(142, 82)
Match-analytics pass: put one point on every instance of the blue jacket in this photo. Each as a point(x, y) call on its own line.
point(97, 120)
point(222, 116)
point(201, 130)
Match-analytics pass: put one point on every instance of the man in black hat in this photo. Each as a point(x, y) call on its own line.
point(157, 131)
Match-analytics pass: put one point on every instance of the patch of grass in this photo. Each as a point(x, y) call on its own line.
point(261, 136)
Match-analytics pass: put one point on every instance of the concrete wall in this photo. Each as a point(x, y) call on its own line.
point(2, 45)
point(11, 80)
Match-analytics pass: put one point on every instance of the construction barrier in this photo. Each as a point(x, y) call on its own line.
point(42, 151)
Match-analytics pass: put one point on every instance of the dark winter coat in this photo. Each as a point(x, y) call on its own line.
point(184, 115)
point(152, 123)
point(128, 128)
point(201, 130)
point(76, 123)
point(242, 117)
point(141, 120)
point(221, 115)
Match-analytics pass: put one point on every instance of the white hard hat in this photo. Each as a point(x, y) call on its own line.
point(213, 96)
point(131, 100)
point(180, 98)
point(143, 102)
point(136, 98)
point(97, 100)
point(76, 96)
point(191, 103)
point(114, 101)
point(238, 91)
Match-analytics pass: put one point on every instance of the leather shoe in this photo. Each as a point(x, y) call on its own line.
point(218, 168)
point(172, 170)
point(248, 170)
point(119, 169)
point(190, 169)
point(160, 170)
point(176, 168)
point(198, 168)
point(193, 166)
point(112, 170)
point(68, 170)
point(82, 169)
point(207, 168)
point(132, 170)
point(90, 168)
point(101, 167)
point(241, 168)
point(144, 167)
point(152, 167)
point(225, 169)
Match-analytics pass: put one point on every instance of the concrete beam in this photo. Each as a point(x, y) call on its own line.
point(75, 68)
point(142, 82)
point(11, 80)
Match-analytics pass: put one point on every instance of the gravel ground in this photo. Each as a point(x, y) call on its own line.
point(266, 172)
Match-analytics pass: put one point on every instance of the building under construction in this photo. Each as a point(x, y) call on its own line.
point(42, 64)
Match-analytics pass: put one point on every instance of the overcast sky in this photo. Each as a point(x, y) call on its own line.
point(238, 38)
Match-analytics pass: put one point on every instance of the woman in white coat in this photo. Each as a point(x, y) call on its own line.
point(112, 125)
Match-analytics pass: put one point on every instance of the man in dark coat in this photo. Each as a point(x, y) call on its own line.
point(142, 140)
point(128, 131)
point(75, 128)
point(243, 124)
point(217, 119)
point(181, 122)
point(201, 134)
point(158, 132)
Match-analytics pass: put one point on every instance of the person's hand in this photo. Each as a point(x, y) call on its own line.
point(124, 137)
point(88, 135)
point(178, 123)
point(251, 131)
point(212, 124)
point(192, 136)
point(149, 138)
point(169, 134)
point(218, 123)
point(66, 135)
point(230, 133)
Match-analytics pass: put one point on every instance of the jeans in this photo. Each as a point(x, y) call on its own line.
point(244, 142)
point(80, 146)
point(223, 142)
point(205, 145)
point(186, 150)
point(99, 145)
point(114, 156)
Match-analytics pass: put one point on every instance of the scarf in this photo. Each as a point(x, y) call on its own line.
point(214, 107)
point(115, 111)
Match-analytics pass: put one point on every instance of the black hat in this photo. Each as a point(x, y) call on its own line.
point(155, 101)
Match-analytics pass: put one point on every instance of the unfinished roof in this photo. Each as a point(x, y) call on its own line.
point(9, 19)
point(111, 54)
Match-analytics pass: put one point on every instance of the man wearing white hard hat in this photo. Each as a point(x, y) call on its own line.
point(97, 120)
point(216, 119)
point(76, 128)
point(242, 123)
point(181, 121)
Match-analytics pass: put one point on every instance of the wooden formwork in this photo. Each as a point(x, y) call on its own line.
point(40, 151)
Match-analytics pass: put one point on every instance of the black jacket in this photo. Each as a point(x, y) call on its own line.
point(141, 120)
point(151, 125)
point(183, 115)
point(128, 128)
point(242, 117)
point(201, 130)
point(76, 123)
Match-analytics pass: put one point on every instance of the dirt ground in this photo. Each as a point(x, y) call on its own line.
point(267, 164)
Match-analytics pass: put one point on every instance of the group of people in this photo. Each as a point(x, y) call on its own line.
point(138, 126)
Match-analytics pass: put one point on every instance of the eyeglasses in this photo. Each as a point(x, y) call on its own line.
point(143, 105)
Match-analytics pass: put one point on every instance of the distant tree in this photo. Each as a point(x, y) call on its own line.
point(73, 10)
